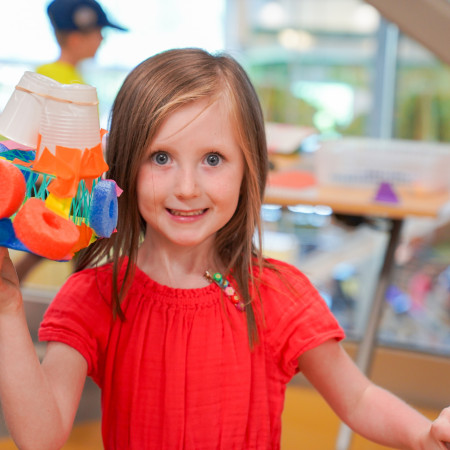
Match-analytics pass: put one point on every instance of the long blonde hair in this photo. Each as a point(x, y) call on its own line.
point(150, 93)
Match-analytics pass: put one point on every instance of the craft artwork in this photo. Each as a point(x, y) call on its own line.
point(53, 198)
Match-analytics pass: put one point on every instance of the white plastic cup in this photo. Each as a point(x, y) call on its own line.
point(21, 116)
point(69, 118)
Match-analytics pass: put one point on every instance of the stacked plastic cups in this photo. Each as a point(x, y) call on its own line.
point(44, 114)
point(64, 115)
point(69, 118)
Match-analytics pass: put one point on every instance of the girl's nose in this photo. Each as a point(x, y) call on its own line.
point(186, 183)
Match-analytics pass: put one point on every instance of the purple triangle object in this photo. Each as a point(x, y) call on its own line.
point(386, 194)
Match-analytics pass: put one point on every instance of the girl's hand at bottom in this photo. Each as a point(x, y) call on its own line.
point(10, 296)
point(439, 436)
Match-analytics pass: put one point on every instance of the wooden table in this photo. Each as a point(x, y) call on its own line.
point(360, 201)
point(351, 201)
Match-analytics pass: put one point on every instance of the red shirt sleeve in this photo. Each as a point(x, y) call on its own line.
point(80, 316)
point(296, 318)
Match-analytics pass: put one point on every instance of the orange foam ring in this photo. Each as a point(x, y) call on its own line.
point(12, 188)
point(43, 232)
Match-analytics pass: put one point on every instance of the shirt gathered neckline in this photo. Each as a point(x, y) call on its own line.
point(147, 288)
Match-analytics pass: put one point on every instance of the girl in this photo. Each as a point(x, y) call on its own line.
point(190, 333)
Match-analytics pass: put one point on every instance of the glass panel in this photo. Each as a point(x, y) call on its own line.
point(312, 62)
point(423, 94)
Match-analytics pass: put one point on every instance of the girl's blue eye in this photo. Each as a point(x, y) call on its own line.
point(160, 158)
point(213, 159)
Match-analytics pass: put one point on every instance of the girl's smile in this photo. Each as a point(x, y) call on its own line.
point(189, 184)
point(187, 215)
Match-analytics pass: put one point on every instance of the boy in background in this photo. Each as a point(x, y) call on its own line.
point(78, 28)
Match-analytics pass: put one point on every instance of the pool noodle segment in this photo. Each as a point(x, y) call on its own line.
point(104, 208)
point(12, 189)
point(44, 232)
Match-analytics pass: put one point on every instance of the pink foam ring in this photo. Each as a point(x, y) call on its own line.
point(118, 189)
point(44, 232)
point(12, 188)
point(11, 145)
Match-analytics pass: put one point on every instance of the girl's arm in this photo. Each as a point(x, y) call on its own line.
point(370, 410)
point(39, 401)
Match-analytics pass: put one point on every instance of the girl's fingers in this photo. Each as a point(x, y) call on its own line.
point(3, 253)
point(7, 270)
point(440, 428)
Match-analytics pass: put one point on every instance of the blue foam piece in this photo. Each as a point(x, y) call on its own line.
point(23, 155)
point(8, 236)
point(104, 210)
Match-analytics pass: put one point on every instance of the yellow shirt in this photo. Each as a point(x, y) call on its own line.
point(61, 71)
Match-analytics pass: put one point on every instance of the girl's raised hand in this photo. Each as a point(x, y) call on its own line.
point(439, 436)
point(440, 428)
point(10, 296)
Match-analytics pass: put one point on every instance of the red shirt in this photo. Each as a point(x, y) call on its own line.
point(178, 372)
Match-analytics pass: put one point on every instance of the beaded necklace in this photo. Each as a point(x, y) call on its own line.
point(226, 287)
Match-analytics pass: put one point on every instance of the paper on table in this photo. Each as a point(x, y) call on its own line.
point(295, 179)
point(286, 138)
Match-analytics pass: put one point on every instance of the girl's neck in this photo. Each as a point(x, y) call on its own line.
point(177, 268)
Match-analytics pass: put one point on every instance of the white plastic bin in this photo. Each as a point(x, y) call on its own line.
point(367, 162)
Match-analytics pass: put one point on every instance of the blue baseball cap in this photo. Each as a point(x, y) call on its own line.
point(78, 15)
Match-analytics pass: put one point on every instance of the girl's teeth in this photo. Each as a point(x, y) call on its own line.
point(186, 213)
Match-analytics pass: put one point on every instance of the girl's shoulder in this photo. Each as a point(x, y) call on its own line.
point(283, 287)
point(103, 273)
point(89, 283)
point(276, 274)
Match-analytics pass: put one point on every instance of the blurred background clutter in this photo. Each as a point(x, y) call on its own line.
point(326, 71)
point(313, 61)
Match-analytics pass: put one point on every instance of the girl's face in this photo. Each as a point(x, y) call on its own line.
point(189, 184)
